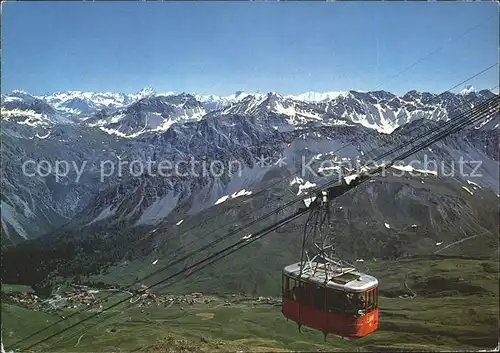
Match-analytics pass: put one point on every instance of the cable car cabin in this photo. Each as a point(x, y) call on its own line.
point(345, 306)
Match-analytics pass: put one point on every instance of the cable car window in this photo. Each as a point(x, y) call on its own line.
point(319, 298)
point(296, 290)
point(375, 294)
point(371, 300)
point(336, 301)
point(291, 289)
point(304, 293)
point(358, 304)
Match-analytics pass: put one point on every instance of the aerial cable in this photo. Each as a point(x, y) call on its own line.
point(238, 230)
point(412, 141)
point(245, 243)
point(481, 109)
point(194, 252)
point(443, 126)
point(447, 128)
point(468, 79)
point(453, 128)
point(173, 262)
point(288, 219)
point(275, 183)
point(191, 269)
point(487, 110)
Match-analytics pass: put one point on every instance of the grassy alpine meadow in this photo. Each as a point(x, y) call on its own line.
point(425, 304)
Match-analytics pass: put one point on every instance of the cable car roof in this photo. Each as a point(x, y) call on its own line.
point(344, 279)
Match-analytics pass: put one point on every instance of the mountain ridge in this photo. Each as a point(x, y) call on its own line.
point(178, 127)
point(379, 110)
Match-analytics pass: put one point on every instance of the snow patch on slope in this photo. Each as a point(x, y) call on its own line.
point(32, 118)
point(408, 168)
point(233, 196)
point(468, 190)
point(120, 134)
point(222, 199)
point(473, 184)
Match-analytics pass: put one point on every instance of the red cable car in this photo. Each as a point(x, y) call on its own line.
point(324, 292)
point(341, 302)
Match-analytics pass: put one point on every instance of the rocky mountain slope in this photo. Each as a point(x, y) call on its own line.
point(250, 138)
point(388, 218)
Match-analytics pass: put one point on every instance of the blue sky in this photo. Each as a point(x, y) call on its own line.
point(219, 48)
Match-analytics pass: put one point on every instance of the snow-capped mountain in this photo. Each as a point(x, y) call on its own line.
point(214, 102)
point(468, 89)
point(151, 114)
point(379, 110)
point(86, 103)
point(29, 111)
point(19, 97)
point(276, 111)
point(384, 111)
